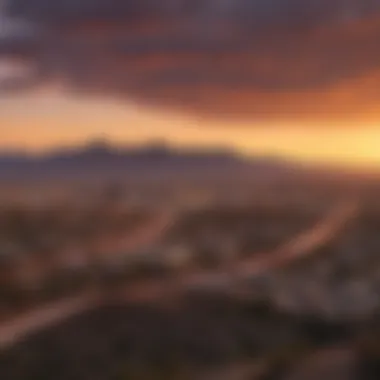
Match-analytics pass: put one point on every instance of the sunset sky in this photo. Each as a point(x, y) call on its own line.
point(37, 122)
point(289, 78)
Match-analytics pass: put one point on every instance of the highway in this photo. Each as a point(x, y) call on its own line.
point(298, 247)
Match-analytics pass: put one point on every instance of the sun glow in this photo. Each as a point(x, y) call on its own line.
point(45, 120)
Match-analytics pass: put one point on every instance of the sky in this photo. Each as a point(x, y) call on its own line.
point(289, 78)
point(40, 122)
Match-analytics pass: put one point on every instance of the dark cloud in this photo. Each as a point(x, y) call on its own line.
point(257, 11)
point(261, 58)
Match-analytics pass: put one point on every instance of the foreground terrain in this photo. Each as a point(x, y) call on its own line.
point(273, 287)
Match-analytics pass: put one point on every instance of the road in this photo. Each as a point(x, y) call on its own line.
point(55, 312)
point(300, 246)
point(306, 243)
point(33, 321)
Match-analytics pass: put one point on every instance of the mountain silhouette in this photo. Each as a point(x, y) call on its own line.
point(101, 159)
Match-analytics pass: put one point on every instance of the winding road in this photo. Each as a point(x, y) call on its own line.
point(17, 329)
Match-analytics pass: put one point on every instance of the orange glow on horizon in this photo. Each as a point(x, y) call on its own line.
point(41, 122)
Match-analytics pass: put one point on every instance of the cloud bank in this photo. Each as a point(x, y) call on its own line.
point(260, 59)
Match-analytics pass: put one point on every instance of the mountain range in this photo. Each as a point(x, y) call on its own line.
point(100, 160)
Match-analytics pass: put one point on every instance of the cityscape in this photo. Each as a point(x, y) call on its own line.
point(278, 260)
point(189, 190)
